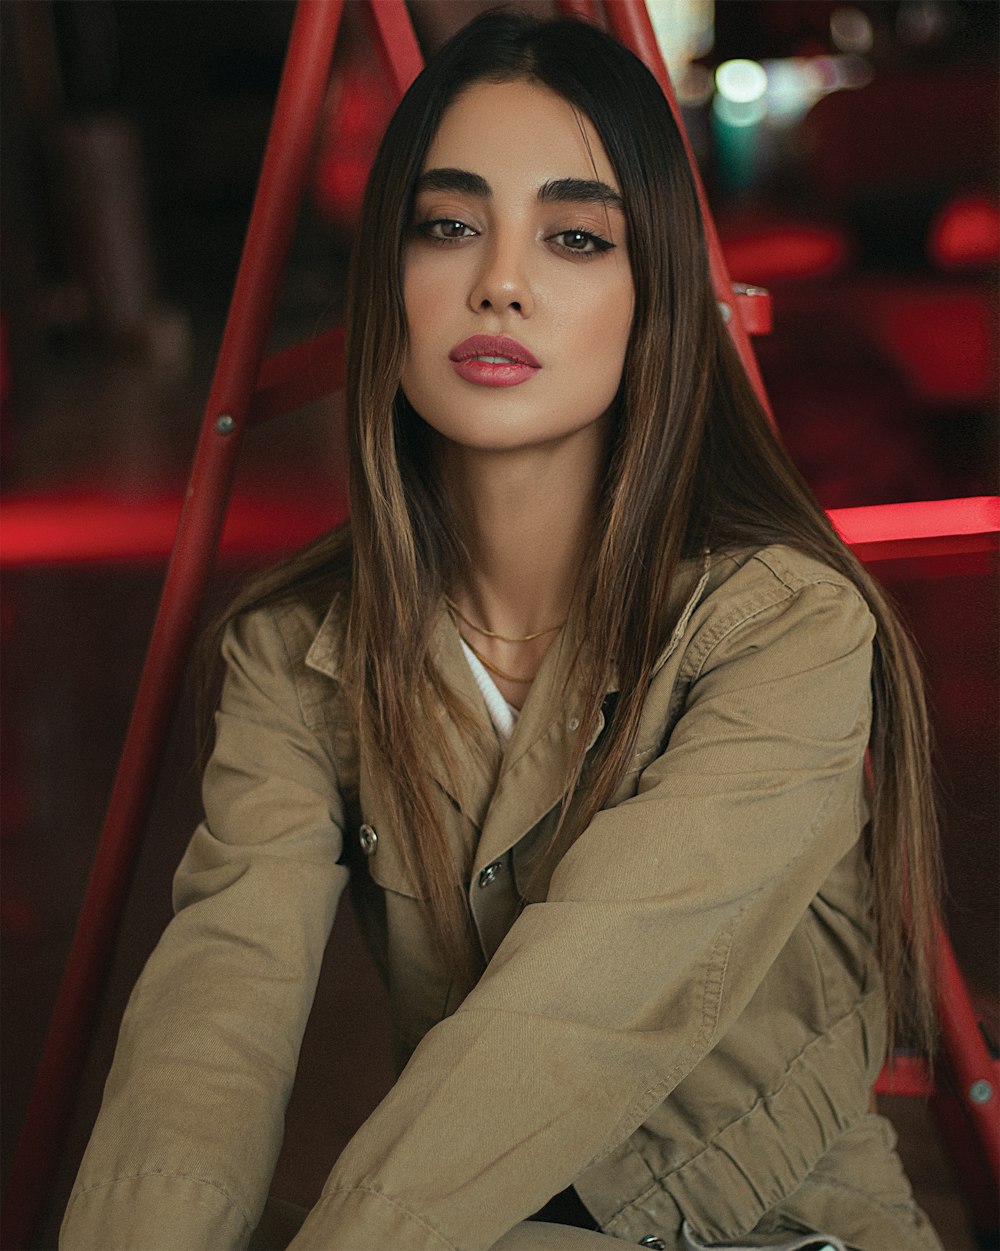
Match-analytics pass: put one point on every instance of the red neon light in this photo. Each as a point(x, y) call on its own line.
point(94, 529)
point(363, 102)
point(91, 528)
point(779, 253)
point(966, 234)
point(944, 341)
point(924, 528)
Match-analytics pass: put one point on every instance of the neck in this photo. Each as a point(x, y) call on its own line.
point(527, 518)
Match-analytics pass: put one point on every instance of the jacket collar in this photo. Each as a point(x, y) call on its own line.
point(326, 652)
point(475, 772)
point(546, 724)
point(536, 761)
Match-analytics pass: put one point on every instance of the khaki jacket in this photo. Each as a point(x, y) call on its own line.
point(684, 1021)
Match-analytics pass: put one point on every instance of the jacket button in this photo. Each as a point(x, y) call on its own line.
point(574, 724)
point(368, 840)
point(651, 1240)
point(489, 873)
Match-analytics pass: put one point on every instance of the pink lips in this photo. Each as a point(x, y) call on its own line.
point(493, 361)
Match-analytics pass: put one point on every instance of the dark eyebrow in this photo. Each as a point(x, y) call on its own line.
point(459, 180)
point(560, 190)
point(580, 191)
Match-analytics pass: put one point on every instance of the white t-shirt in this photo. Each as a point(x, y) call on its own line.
point(502, 714)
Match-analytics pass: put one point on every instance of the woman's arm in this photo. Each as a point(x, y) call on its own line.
point(189, 1130)
point(659, 924)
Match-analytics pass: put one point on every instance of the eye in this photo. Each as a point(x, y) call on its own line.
point(581, 242)
point(444, 229)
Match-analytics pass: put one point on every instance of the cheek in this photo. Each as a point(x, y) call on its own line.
point(415, 297)
point(612, 341)
point(610, 328)
point(418, 305)
point(623, 310)
point(603, 313)
point(426, 288)
point(411, 301)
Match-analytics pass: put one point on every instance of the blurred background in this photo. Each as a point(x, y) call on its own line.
point(850, 155)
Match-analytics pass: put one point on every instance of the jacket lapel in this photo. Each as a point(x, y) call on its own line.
point(537, 758)
point(475, 769)
point(505, 794)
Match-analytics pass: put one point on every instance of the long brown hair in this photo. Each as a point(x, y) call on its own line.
point(694, 464)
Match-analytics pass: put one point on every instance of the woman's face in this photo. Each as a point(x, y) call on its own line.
point(516, 282)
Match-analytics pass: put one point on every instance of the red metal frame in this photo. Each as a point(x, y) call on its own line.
point(392, 34)
point(69, 529)
point(272, 221)
point(629, 22)
point(925, 528)
point(974, 1071)
point(244, 390)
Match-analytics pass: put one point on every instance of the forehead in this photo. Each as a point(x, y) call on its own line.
point(519, 130)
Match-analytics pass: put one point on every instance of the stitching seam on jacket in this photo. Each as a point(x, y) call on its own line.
point(733, 623)
point(380, 1194)
point(897, 1211)
point(763, 1098)
point(715, 977)
point(305, 709)
point(165, 1173)
point(770, 558)
point(681, 1067)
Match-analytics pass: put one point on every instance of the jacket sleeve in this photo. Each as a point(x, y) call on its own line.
point(190, 1127)
point(659, 924)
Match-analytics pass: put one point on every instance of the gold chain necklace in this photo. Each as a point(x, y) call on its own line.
point(488, 664)
point(493, 634)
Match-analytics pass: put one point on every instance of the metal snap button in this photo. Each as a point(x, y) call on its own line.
point(651, 1240)
point(574, 724)
point(368, 840)
point(489, 873)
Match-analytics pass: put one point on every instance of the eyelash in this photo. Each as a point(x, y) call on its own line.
point(594, 244)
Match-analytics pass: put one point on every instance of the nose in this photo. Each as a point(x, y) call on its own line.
point(503, 282)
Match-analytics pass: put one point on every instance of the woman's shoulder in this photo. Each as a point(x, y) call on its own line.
point(777, 568)
point(299, 609)
point(309, 624)
point(288, 651)
point(747, 588)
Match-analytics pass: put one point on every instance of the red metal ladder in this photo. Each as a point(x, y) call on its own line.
point(247, 389)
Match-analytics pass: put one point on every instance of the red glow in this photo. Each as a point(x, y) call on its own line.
point(944, 341)
point(362, 103)
point(923, 528)
point(772, 254)
point(82, 529)
point(966, 234)
point(75, 528)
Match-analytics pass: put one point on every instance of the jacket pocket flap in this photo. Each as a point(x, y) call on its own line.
point(376, 841)
point(386, 864)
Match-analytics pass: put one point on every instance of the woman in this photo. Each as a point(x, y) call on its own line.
point(580, 701)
